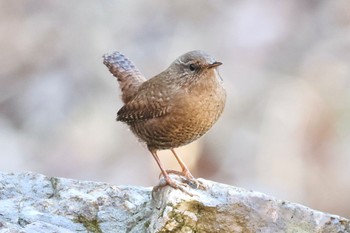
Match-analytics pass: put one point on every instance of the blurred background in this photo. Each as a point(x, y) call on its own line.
point(286, 127)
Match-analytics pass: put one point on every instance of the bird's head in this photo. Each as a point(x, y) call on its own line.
point(192, 66)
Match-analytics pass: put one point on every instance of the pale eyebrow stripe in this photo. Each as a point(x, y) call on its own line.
point(180, 61)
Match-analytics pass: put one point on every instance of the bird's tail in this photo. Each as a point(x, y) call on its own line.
point(128, 76)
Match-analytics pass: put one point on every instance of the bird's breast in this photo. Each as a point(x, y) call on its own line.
point(200, 107)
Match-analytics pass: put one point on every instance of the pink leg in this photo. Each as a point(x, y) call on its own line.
point(185, 171)
point(168, 180)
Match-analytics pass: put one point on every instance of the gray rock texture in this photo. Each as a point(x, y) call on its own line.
point(35, 203)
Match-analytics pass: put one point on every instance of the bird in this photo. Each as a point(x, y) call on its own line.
point(173, 108)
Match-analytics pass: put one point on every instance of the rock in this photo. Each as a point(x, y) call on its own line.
point(34, 203)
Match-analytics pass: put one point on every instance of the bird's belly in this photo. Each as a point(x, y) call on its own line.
point(185, 123)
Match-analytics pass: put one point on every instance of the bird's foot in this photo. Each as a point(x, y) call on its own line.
point(190, 180)
point(172, 183)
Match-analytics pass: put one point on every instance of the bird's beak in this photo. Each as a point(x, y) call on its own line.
point(215, 64)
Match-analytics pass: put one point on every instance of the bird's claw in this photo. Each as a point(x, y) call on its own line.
point(172, 183)
point(190, 180)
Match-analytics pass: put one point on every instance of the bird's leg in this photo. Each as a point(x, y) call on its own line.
point(168, 180)
point(185, 171)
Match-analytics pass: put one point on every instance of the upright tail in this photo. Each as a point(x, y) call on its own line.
point(128, 76)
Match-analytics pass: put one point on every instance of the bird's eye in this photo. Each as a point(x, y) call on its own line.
point(192, 67)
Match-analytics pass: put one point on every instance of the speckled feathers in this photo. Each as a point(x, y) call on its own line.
point(176, 106)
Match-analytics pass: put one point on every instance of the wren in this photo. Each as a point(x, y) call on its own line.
point(173, 108)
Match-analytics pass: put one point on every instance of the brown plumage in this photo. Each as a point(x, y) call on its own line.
point(173, 108)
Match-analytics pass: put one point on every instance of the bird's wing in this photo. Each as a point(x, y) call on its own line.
point(140, 111)
point(147, 104)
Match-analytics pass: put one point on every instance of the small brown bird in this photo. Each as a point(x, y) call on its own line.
point(173, 108)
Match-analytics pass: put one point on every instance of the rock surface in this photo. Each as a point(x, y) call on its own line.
point(35, 203)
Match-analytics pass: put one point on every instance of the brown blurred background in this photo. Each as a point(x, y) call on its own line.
point(286, 127)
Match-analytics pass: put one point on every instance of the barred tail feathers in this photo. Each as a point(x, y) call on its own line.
point(128, 76)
